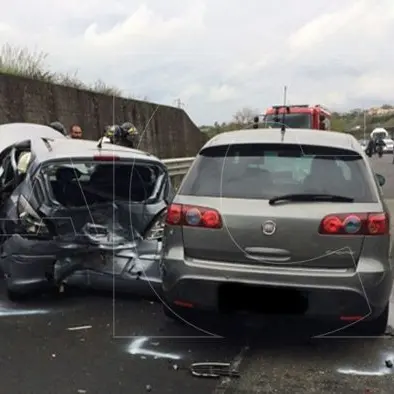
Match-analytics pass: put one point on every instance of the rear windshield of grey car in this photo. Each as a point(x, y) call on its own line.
point(85, 183)
point(263, 171)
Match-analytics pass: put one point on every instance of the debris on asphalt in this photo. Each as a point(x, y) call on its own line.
point(80, 391)
point(389, 364)
point(148, 387)
point(175, 367)
point(213, 370)
point(53, 355)
point(79, 328)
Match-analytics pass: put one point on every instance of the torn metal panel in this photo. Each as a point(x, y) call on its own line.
point(128, 271)
point(99, 240)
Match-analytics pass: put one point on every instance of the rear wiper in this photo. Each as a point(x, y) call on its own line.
point(310, 197)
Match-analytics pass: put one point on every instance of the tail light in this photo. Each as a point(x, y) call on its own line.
point(193, 216)
point(156, 230)
point(355, 224)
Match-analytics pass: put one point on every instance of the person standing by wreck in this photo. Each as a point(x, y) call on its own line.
point(75, 132)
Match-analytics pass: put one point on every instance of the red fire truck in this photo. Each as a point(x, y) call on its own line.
point(298, 117)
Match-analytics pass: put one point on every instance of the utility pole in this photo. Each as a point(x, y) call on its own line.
point(179, 103)
point(365, 124)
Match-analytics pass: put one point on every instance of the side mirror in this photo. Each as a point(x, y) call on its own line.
point(381, 179)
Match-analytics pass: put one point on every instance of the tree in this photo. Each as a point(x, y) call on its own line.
point(338, 123)
point(244, 116)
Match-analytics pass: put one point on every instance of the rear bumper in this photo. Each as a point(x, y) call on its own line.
point(31, 265)
point(330, 293)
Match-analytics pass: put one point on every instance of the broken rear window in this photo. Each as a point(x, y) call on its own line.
point(87, 183)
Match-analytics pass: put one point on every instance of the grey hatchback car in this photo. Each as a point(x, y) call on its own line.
point(287, 223)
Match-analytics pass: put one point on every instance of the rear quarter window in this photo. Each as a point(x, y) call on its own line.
point(264, 171)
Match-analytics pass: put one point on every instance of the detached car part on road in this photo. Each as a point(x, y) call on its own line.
point(290, 222)
point(72, 211)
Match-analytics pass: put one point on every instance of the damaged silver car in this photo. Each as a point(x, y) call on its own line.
point(75, 211)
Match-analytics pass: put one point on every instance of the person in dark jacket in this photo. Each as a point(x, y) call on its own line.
point(58, 127)
point(129, 135)
point(379, 144)
point(371, 147)
point(113, 133)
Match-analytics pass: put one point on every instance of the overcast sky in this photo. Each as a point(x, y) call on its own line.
point(217, 55)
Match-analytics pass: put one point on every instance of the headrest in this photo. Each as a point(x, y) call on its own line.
point(66, 174)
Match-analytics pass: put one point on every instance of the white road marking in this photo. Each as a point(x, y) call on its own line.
point(136, 348)
point(79, 328)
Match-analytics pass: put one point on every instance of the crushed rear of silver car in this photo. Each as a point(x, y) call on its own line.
point(97, 221)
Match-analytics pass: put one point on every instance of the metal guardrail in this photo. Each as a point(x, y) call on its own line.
point(178, 166)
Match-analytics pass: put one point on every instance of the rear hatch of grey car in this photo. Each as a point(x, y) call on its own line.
point(98, 206)
point(281, 205)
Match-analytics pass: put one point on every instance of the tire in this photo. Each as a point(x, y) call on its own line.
point(375, 327)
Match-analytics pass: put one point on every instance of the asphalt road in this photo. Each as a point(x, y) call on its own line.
point(128, 347)
point(385, 167)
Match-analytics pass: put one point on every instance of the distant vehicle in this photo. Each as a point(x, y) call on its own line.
point(70, 208)
point(298, 117)
point(389, 147)
point(379, 132)
point(295, 226)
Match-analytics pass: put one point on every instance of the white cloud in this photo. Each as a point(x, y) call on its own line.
point(327, 26)
point(217, 56)
point(222, 93)
point(4, 27)
point(144, 26)
point(191, 91)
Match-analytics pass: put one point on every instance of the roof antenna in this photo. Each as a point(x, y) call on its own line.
point(285, 109)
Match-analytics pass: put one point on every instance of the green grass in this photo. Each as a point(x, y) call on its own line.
point(25, 63)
